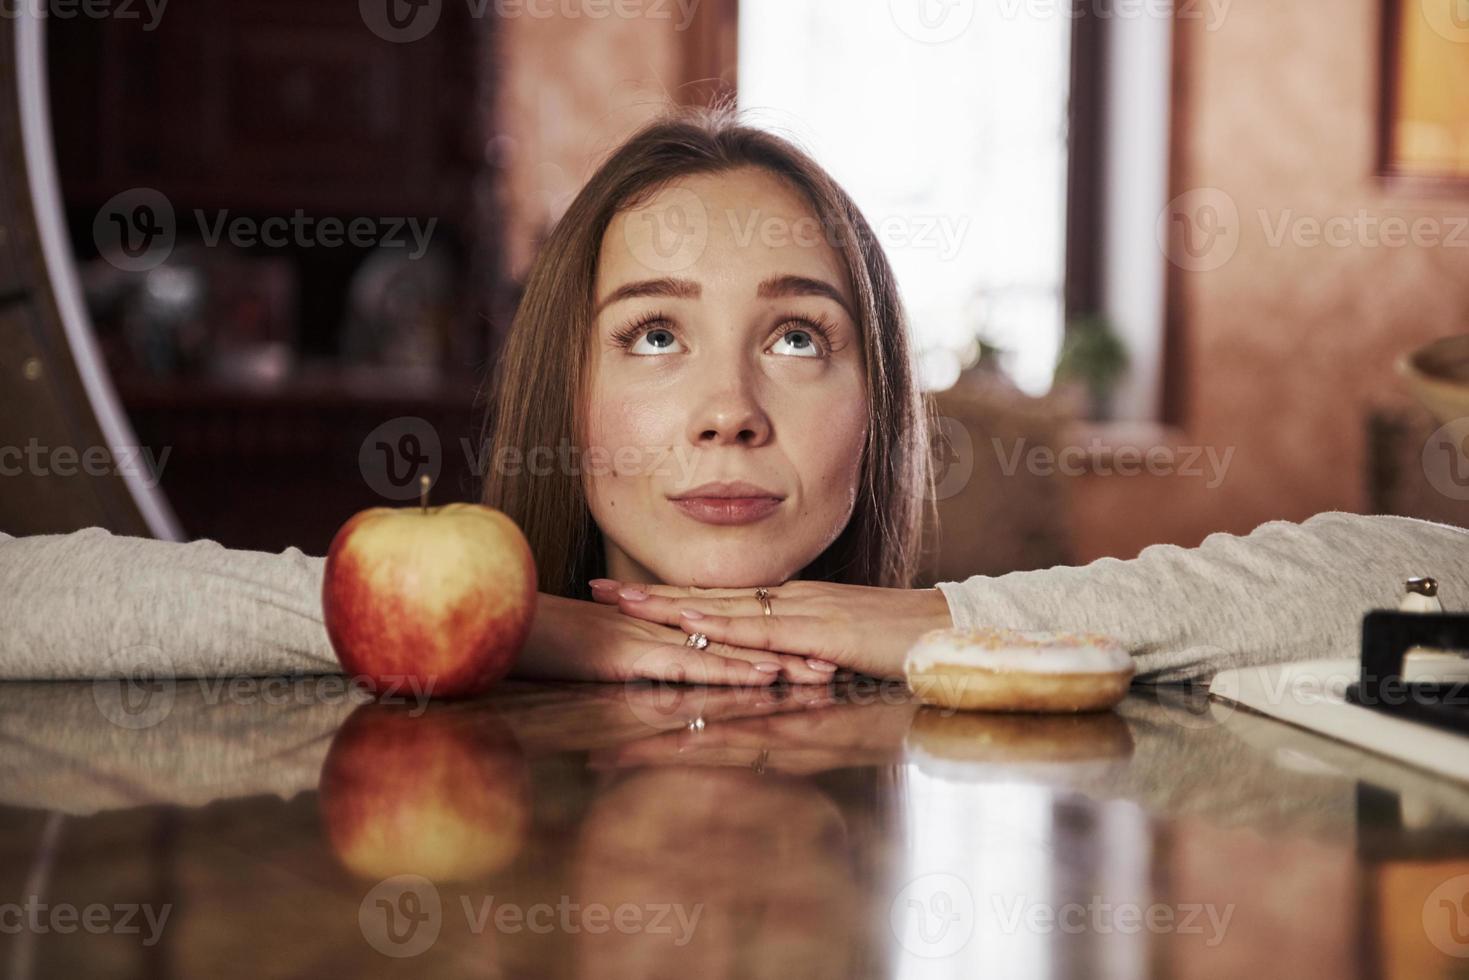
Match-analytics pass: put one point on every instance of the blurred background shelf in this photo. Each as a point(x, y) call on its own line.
point(271, 465)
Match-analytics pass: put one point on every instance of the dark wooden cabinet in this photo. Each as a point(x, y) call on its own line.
point(267, 469)
point(269, 105)
point(271, 109)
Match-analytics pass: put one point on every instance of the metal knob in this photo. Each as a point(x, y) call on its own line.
point(1421, 596)
point(1423, 586)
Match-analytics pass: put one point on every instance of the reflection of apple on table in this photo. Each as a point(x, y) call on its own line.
point(429, 601)
point(445, 794)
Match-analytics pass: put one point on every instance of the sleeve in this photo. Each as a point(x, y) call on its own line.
point(1285, 592)
point(92, 604)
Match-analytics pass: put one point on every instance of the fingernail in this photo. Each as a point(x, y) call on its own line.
point(691, 614)
point(603, 583)
point(632, 595)
point(768, 668)
point(822, 665)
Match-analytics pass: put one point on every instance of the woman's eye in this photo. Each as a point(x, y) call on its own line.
point(659, 340)
point(796, 343)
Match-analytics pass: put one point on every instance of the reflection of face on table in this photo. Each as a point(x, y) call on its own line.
point(759, 863)
point(716, 819)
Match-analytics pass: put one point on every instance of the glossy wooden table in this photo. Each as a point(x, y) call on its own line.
point(276, 828)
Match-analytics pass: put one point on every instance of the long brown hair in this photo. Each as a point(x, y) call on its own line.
point(542, 380)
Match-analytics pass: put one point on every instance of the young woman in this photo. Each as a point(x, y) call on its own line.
point(716, 318)
point(711, 353)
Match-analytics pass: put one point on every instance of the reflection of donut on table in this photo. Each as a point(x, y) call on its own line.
point(1013, 670)
point(974, 745)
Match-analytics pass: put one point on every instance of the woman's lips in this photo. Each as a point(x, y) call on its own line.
point(727, 510)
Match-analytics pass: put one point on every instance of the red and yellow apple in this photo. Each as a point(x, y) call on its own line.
point(445, 795)
point(429, 601)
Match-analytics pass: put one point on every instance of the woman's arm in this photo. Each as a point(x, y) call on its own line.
point(93, 604)
point(1285, 592)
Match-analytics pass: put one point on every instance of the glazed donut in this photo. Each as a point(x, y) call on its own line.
point(1018, 671)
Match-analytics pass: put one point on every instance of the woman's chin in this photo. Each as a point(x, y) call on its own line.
point(727, 572)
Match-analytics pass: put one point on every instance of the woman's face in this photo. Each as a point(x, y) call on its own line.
point(727, 404)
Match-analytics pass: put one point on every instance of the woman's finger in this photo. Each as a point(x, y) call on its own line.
point(801, 669)
point(665, 610)
point(806, 636)
point(676, 611)
point(685, 665)
point(797, 670)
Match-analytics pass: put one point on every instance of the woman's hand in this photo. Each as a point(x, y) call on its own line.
point(852, 626)
point(583, 641)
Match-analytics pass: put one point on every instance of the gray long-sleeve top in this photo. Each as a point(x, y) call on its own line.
point(91, 604)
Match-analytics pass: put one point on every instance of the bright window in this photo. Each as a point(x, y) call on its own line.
point(946, 121)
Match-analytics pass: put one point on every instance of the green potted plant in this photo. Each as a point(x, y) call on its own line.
point(1093, 357)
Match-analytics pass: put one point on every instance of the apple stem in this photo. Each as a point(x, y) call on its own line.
point(423, 492)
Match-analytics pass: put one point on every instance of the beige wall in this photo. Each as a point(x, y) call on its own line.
point(571, 88)
point(1289, 346)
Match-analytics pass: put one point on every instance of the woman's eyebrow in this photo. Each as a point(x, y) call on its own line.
point(776, 287)
point(669, 287)
point(781, 286)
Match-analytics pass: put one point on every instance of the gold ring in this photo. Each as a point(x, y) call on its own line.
point(764, 596)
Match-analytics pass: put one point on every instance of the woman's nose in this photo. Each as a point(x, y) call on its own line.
point(730, 416)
